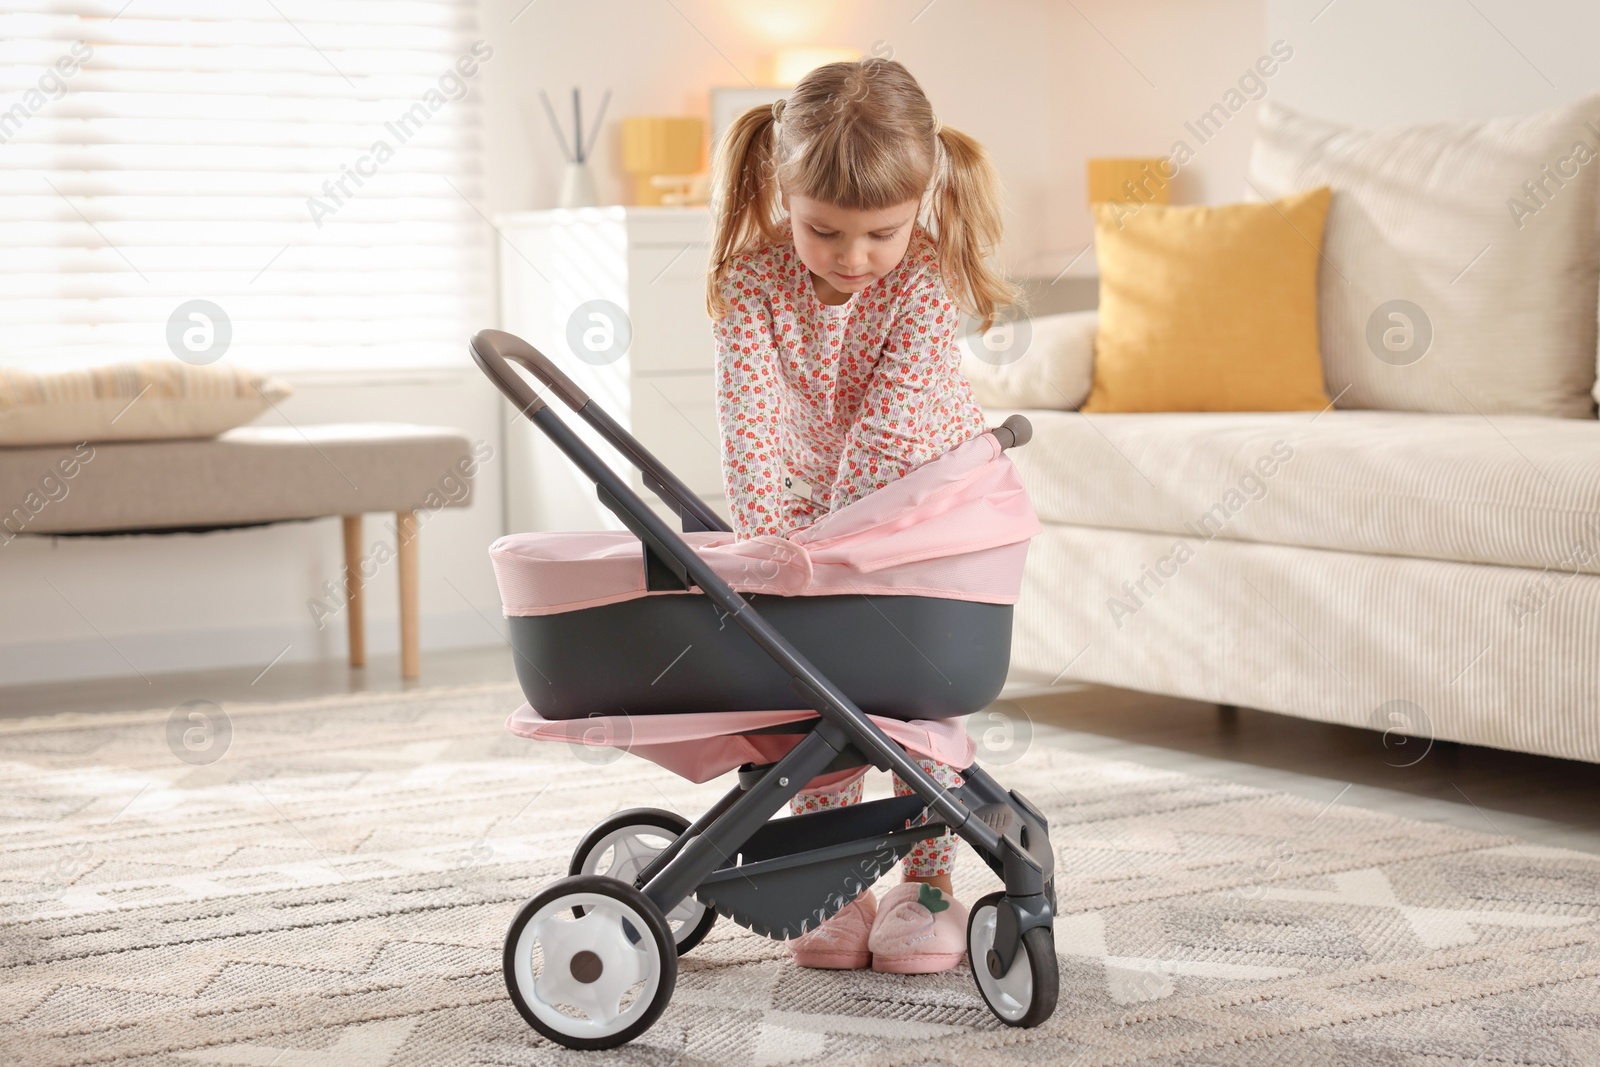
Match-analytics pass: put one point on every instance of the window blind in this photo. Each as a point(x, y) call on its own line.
point(309, 167)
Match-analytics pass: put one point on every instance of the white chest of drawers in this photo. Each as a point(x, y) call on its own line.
point(648, 264)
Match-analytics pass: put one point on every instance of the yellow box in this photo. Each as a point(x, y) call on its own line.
point(660, 144)
point(1151, 180)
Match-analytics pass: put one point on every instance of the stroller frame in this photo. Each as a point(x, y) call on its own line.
point(735, 857)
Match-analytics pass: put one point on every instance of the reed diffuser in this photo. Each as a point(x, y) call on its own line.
point(577, 183)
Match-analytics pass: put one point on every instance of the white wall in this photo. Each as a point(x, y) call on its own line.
point(1377, 62)
point(1126, 79)
point(1041, 85)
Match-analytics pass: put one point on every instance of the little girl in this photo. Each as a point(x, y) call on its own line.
point(838, 370)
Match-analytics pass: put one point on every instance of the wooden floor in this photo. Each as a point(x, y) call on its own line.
point(1532, 798)
point(281, 681)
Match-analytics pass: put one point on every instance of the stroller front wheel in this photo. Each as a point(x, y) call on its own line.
point(593, 981)
point(622, 844)
point(1026, 994)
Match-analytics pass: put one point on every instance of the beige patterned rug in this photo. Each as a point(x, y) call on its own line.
point(328, 883)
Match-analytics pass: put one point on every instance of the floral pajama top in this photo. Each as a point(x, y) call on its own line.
point(820, 405)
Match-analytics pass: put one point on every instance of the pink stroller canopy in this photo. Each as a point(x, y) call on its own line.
point(957, 527)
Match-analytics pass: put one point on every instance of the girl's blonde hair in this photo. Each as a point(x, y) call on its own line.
point(860, 135)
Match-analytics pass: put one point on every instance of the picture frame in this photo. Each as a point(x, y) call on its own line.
point(729, 101)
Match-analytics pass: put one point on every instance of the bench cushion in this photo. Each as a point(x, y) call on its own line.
point(252, 474)
point(1520, 490)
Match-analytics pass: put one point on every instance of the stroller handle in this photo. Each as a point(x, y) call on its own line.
point(492, 348)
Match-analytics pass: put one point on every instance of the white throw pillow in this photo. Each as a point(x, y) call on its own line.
point(1043, 362)
point(136, 401)
point(1437, 291)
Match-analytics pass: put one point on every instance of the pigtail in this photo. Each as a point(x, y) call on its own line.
point(965, 217)
point(744, 196)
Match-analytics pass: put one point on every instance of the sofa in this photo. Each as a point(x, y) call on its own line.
point(1422, 556)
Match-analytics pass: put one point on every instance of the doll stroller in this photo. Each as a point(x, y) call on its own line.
point(800, 661)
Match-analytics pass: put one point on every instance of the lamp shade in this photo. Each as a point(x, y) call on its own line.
point(662, 144)
point(1136, 181)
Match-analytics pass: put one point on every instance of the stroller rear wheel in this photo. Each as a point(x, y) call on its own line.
point(593, 981)
point(620, 846)
point(1026, 994)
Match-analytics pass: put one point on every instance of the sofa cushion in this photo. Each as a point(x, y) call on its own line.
point(1209, 308)
point(1450, 281)
point(1519, 491)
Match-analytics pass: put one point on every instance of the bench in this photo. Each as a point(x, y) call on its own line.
point(253, 476)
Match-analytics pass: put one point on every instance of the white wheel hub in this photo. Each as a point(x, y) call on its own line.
point(588, 964)
point(626, 851)
point(1011, 995)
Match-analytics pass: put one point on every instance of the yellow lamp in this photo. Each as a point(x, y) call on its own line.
point(792, 64)
point(1134, 181)
point(660, 144)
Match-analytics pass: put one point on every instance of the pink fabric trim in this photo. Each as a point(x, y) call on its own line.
point(701, 746)
point(957, 527)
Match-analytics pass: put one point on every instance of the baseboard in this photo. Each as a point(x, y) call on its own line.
point(243, 647)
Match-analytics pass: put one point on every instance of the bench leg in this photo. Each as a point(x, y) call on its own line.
point(354, 603)
point(410, 635)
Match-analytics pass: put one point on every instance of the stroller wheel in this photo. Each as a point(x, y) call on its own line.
point(596, 981)
point(621, 846)
point(1026, 994)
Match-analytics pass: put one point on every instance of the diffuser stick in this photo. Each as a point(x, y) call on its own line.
point(594, 131)
point(577, 124)
point(561, 138)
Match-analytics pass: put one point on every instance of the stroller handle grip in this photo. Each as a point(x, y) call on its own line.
point(1015, 431)
point(493, 348)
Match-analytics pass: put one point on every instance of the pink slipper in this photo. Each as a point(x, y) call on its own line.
point(919, 930)
point(840, 944)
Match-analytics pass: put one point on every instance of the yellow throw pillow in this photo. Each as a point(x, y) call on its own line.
point(1209, 308)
